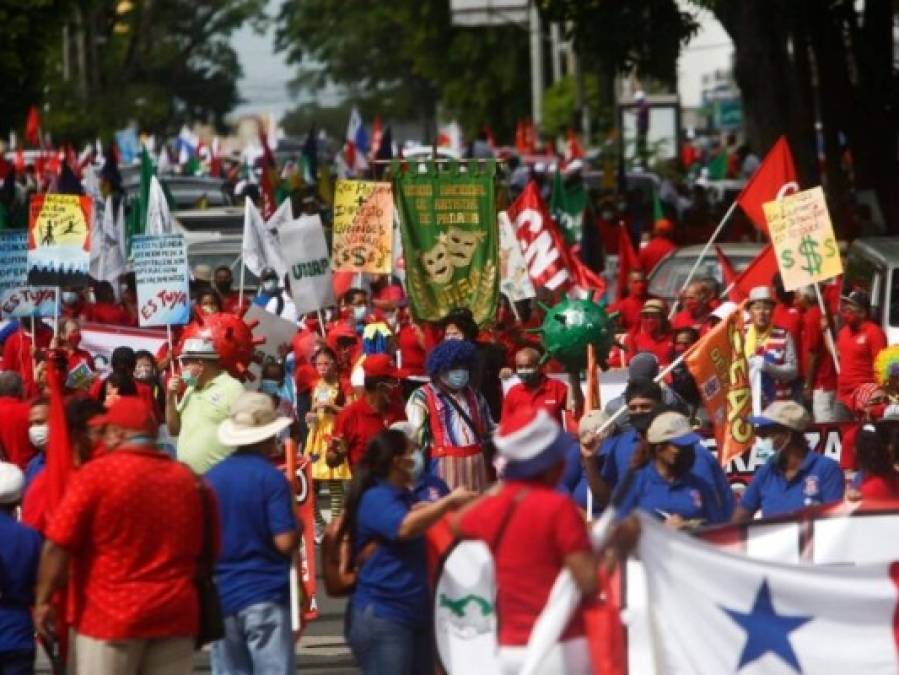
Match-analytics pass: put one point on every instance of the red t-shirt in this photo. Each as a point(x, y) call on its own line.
point(17, 355)
point(813, 343)
point(410, 342)
point(683, 319)
point(34, 504)
point(14, 444)
point(104, 312)
point(880, 487)
point(790, 319)
point(132, 521)
point(545, 528)
point(663, 347)
point(550, 394)
point(358, 423)
point(629, 311)
point(655, 249)
point(857, 350)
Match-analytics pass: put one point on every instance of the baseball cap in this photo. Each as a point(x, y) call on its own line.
point(857, 298)
point(128, 412)
point(654, 305)
point(253, 419)
point(12, 483)
point(787, 414)
point(760, 294)
point(672, 427)
point(379, 365)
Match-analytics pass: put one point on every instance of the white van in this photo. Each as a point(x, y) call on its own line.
point(872, 264)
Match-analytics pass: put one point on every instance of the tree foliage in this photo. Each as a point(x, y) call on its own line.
point(403, 57)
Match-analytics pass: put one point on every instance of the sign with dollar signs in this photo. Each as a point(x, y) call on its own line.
point(803, 238)
point(363, 227)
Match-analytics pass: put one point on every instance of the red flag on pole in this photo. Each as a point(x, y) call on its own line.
point(775, 178)
point(573, 149)
point(268, 179)
point(760, 272)
point(627, 259)
point(729, 276)
point(33, 126)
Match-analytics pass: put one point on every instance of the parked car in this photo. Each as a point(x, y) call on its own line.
point(668, 277)
point(224, 219)
point(188, 192)
point(871, 265)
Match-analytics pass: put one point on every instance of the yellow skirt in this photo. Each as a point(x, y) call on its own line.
point(317, 443)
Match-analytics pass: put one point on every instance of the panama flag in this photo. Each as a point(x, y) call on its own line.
point(356, 147)
point(714, 611)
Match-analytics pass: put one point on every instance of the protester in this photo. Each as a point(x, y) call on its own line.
point(365, 418)
point(210, 392)
point(426, 486)
point(224, 282)
point(858, 343)
point(869, 405)
point(770, 351)
point(787, 314)
point(652, 333)
point(122, 364)
point(660, 246)
point(385, 626)
point(696, 307)
point(14, 444)
point(875, 447)
point(630, 306)
point(127, 534)
point(819, 389)
point(105, 309)
point(209, 302)
point(644, 367)
point(38, 434)
point(453, 417)
point(682, 382)
point(259, 539)
point(793, 476)
point(19, 349)
point(663, 484)
point(146, 376)
point(886, 368)
point(534, 388)
point(273, 298)
point(19, 556)
point(70, 343)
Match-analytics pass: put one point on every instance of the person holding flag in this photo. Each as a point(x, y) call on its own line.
point(770, 350)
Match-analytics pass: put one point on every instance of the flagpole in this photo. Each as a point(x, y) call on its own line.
point(828, 334)
point(168, 333)
point(321, 322)
point(703, 253)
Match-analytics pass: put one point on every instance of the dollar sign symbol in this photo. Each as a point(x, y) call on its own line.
point(786, 260)
point(807, 249)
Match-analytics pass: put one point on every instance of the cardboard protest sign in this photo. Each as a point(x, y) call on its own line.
point(17, 298)
point(277, 331)
point(363, 226)
point(308, 264)
point(803, 238)
point(450, 242)
point(160, 265)
point(28, 301)
point(59, 236)
point(515, 282)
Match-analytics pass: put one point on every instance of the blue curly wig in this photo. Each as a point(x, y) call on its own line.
point(451, 354)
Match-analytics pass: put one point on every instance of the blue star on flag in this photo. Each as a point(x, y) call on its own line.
point(766, 630)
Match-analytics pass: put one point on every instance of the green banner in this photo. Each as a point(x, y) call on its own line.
point(450, 238)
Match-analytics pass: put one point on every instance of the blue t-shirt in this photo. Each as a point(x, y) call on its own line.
point(394, 579)
point(616, 454)
point(254, 505)
point(688, 496)
point(430, 488)
point(20, 552)
point(35, 465)
point(818, 481)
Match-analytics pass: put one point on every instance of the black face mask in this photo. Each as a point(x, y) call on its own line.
point(683, 462)
point(640, 421)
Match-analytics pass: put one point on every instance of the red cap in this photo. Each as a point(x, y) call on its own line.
point(128, 412)
point(379, 365)
point(663, 226)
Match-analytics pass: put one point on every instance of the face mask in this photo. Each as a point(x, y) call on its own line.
point(143, 373)
point(270, 285)
point(650, 324)
point(528, 375)
point(74, 339)
point(456, 378)
point(764, 448)
point(418, 465)
point(189, 378)
point(359, 313)
point(640, 421)
point(270, 387)
point(224, 286)
point(692, 306)
point(683, 462)
point(69, 298)
point(37, 434)
point(850, 318)
point(638, 288)
point(453, 336)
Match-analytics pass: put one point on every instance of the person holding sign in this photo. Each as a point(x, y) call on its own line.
point(769, 350)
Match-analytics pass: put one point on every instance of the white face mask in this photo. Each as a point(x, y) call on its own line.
point(360, 312)
point(37, 434)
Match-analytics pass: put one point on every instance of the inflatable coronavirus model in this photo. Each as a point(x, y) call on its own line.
point(570, 326)
point(233, 338)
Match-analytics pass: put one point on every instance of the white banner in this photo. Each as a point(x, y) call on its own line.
point(308, 264)
point(515, 282)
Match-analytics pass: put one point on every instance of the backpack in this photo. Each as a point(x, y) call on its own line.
point(339, 569)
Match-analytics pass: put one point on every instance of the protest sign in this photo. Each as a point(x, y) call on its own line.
point(515, 282)
point(160, 265)
point(308, 264)
point(29, 301)
point(363, 226)
point(100, 339)
point(80, 377)
point(277, 331)
point(803, 238)
point(59, 235)
point(450, 243)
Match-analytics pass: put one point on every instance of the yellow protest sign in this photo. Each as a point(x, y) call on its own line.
point(59, 236)
point(803, 238)
point(363, 227)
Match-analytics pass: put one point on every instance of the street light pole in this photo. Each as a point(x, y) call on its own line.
point(536, 65)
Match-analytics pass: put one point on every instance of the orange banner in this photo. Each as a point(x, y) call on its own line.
point(718, 366)
point(299, 474)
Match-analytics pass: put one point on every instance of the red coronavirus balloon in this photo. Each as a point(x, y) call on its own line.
point(233, 339)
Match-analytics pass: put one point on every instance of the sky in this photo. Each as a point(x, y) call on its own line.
point(266, 75)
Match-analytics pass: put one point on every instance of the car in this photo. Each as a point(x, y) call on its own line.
point(188, 192)
point(224, 219)
point(668, 277)
point(871, 264)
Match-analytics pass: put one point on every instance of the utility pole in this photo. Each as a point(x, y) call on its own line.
point(555, 41)
point(536, 65)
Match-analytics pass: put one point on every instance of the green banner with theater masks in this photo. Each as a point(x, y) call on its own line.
point(450, 238)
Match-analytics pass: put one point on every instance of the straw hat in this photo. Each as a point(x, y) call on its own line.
point(253, 419)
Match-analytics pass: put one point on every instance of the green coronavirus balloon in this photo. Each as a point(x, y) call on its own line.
point(570, 326)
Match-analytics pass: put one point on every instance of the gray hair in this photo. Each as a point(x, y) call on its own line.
point(11, 384)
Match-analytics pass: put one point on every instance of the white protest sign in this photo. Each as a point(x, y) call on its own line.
point(29, 301)
point(101, 339)
point(308, 264)
point(160, 265)
point(273, 328)
point(17, 298)
point(515, 282)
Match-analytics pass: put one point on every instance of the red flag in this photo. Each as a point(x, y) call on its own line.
point(377, 134)
point(729, 276)
point(33, 126)
point(573, 149)
point(550, 262)
point(627, 259)
point(760, 272)
point(520, 147)
point(268, 179)
point(775, 178)
point(20, 160)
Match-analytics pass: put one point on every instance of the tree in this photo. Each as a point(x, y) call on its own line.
point(403, 58)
